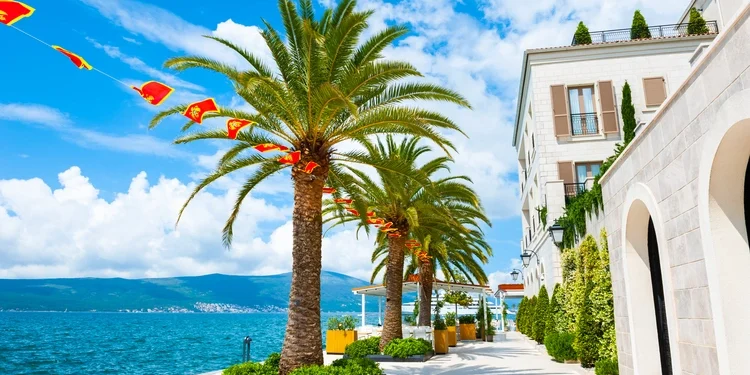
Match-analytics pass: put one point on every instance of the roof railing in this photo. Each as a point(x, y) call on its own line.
point(660, 31)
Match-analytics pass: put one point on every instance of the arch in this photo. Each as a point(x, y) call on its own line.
point(722, 205)
point(642, 234)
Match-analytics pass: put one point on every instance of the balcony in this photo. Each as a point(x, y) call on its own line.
point(573, 190)
point(661, 31)
point(584, 124)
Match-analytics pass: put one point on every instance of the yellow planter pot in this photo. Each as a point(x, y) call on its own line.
point(441, 341)
point(468, 331)
point(451, 336)
point(336, 341)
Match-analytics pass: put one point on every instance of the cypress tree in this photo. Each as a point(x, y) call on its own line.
point(553, 312)
point(696, 25)
point(582, 35)
point(540, 315)
point(521, 313)
point(586, 342)
point(639, 29)
point(529, 319)
point(628, 113)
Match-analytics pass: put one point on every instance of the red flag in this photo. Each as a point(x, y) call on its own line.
point(371, 214)
point(266, 147)
point(353, 211)
point(196, 110)
point(291, 159)
point(13, 11)
point(234, 125)
point(310, 166)
point(154, 92)
point(75, 59)
point(343, 200)
point(387, 225)
point(394, 235)
point(328, 190)
point(376, 222)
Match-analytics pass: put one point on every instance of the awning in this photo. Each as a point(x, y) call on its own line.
point(412, 286)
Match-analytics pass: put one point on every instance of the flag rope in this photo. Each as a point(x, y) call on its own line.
point(112, 78)
point(32, 37)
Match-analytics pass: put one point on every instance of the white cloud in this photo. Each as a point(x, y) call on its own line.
point(140, 66)
point(71, 231)
point(131, 40)
point(33, 113)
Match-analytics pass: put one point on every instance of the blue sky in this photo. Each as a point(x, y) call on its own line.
point(87, 190)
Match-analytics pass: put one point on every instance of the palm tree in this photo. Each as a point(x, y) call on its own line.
point(408, 203)
point(327, 87)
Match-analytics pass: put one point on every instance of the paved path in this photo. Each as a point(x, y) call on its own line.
point(516, 355)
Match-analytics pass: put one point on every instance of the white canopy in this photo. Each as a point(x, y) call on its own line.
point(413, 286)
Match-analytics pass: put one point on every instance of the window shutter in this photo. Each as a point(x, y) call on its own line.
point(560, 110)
point(655, 91)
point(565, 171)
point(609, 110)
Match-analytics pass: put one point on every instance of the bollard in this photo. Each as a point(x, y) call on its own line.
point(246, 349)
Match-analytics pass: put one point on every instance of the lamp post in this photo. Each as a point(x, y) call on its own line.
point(556, 232)
point(514, 274)
point(526, 257)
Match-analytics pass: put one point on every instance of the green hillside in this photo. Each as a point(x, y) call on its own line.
point(265, 293)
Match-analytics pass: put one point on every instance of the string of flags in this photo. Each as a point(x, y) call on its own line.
point(372, 219)
point(155, 93)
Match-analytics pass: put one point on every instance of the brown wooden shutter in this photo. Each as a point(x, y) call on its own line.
point(655, 91)
point(609, 110)
point(565, 171)
point(560, 110)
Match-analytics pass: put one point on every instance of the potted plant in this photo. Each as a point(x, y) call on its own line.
point(439, 331)
point(340, 333)
point(467, 327)
point(450, 322)
point(490, 333)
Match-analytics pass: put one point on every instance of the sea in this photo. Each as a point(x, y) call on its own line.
point(137, 343)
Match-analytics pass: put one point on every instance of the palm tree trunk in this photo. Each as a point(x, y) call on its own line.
point(425, 301)
point(393, 289)
point(303, 342)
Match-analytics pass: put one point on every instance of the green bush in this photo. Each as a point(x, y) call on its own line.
point(582, 35)
point(450, 319)
point(528, 322)
point(251, 368)
point(521, 314)
point(273, 360)
point(696, 25)
point(586, 342)
point(439, 324)
point(345, 323)
point(553, 312)
point(403, 348)
point(628, 113)
point(342, 367)
point(639, 29)
point(607, 367)
point(540, 315)
point(362, 348)
point(560, 346)
point(467, 319)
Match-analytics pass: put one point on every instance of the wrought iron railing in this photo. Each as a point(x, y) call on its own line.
point(661, 31)
point(572, 190)
point(584, 123)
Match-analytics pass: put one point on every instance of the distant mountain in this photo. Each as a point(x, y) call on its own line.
point(219, 293)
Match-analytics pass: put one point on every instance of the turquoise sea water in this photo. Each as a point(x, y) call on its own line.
point(119, 343)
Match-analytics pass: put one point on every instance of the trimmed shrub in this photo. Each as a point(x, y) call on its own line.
point(450, 319)
point(553, 312)
point(607, 367)
point(467, 319)
point(530, 314)
point(345, 323)
point(540, 315)
point(251, 368)
point(628, 113)
point(586, 341)
point(603, 302)
point(560, 346)
point(362, 348)
point(403, 348)
point(639, 29)
point(696, 25)
point(347, 368)
point(521, 314)
point(273, 360)
point(366, 365)
point(582, 35)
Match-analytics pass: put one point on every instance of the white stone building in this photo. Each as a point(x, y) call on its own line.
point(568, 121)
point(677, 208)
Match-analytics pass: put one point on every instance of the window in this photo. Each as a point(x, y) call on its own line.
point(655, 91)
point(582, 110)
point(586, 170)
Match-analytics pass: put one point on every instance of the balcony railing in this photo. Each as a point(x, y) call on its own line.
point(572, 190)
point(661, 31)
point(584, 124)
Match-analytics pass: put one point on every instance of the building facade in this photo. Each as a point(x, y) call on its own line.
point(568, 122)
point(677, 208)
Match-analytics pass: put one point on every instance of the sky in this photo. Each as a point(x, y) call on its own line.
point(86, 190)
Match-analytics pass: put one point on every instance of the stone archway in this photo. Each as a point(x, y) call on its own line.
point(651, 314)
point(725, 224)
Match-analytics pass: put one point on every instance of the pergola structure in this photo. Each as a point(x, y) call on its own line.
point(414, 286)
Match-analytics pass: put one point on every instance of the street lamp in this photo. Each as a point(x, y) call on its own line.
point(556, 233)
point(514, 274)
point(526, 257)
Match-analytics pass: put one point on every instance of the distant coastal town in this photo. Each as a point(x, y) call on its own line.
point(198, 307)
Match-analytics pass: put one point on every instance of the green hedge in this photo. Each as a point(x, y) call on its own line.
point(359, 366)
point(362, 348)
point(607, 367)
point(560, 346)
point(467, 319)
point(269, 367)
point(540, 316)
point(403, 348)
